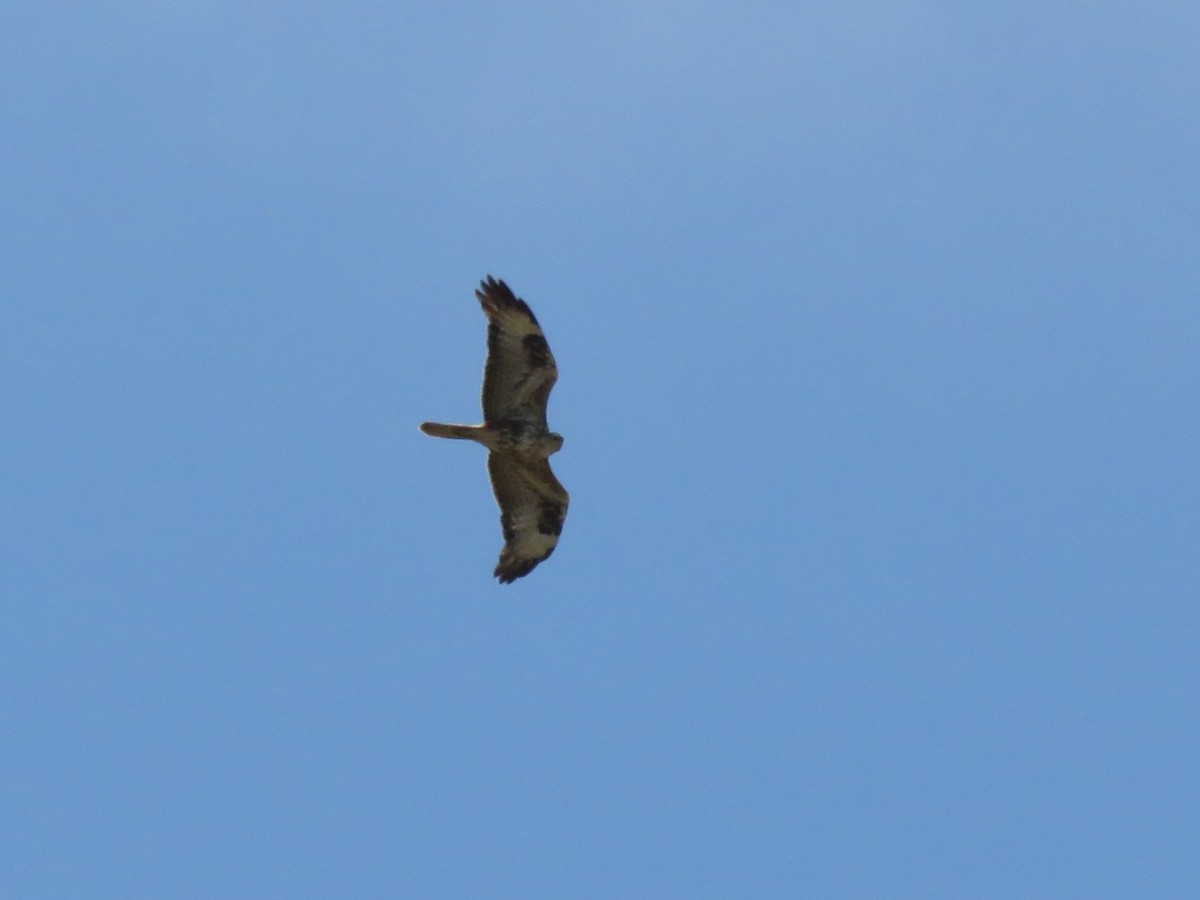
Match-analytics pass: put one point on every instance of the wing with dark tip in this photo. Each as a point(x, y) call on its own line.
point(520, 369)
point(532, 505)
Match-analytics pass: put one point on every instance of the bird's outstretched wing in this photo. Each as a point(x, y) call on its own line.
point(532, 505)
point(520, 369)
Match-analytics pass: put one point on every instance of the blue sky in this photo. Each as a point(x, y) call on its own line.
point(877, 328)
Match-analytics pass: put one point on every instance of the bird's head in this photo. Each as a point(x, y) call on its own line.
point(553, 443)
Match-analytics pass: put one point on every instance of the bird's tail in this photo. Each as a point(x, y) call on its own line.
point(461, 432)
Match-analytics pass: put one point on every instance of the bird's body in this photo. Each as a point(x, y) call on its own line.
point(517, 378)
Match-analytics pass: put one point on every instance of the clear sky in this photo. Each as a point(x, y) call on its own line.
point(877, 326)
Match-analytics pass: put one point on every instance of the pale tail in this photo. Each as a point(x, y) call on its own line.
point(462, 432)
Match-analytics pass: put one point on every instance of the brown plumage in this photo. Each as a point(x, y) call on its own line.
point(517, 378)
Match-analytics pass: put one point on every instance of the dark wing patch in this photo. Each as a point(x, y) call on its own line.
point(520, 369)
point(532, 505)
point(537, 351)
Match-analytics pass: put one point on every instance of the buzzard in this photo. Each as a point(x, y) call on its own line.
point(517, 379)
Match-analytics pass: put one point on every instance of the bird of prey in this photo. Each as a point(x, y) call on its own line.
point(517, 379)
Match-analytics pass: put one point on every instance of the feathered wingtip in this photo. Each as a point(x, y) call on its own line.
point(497, 297)
point(510, 567)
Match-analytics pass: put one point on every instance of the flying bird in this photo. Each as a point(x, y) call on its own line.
point(517, 379)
